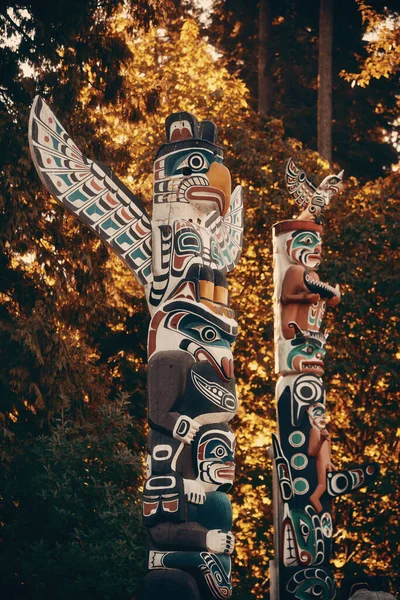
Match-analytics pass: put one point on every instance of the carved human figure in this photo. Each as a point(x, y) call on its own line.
point(302, 296)
point(319, 445)
point(203, 542)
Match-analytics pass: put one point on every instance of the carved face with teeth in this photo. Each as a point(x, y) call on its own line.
point(304, 247)
point(307, 355)
point(298, 537)
point(215, 451)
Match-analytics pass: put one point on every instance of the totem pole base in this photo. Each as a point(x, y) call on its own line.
point(273, 578)
point(170, 584)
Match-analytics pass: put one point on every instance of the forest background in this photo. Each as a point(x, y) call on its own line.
point(73, 322)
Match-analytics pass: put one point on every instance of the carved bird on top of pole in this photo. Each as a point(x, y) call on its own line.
point(313, 200)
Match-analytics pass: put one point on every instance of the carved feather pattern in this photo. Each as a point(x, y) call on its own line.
point(298, 185)
point(227, 231)
point(90, 191)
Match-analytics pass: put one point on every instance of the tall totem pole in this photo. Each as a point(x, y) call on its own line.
point(304, 479)
point(180, 255)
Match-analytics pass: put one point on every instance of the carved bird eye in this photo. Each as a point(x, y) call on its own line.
point(304, 530)
point(208, 334)
point(197, 162)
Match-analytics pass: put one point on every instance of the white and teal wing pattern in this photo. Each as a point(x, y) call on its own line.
point(227, 233)
point(90, 191)
point(298, 185)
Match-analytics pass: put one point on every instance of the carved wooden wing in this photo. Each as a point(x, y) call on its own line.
point(298, 185)
point(90, 191)
point(227, 231)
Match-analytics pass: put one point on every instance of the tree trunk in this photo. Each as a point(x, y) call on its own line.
point(264, 58)
point(325, 80)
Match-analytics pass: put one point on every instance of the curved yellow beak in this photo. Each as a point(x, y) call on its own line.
point(219, 177)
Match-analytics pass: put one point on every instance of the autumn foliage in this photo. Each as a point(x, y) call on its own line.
point(73, 322)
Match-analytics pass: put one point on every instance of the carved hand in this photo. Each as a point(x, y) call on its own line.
point(336, 299)
point(194, 491)
point(219, 542)
point(185, 429)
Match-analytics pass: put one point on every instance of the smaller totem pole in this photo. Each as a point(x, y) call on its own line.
point(304, 479)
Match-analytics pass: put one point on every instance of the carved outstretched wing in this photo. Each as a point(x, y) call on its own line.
point(298, 185)
point(228, 231)
point(90, 191)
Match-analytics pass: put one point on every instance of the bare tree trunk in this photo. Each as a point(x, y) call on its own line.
point(264, 58)
point(325, 80)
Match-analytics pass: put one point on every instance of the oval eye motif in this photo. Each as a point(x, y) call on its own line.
point(219, 452)
point(315, 591)
point(208, 334)
point(309, 350)
point(308, 240)
point(304, 529)
point(197, 162)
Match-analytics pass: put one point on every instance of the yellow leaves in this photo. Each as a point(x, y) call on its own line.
point(322, 162)
point(13, 416)
point(339, 562)
point(383, 36)
point(189, 32)
point(254, 366)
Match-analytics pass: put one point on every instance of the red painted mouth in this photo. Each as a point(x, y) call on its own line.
point(312, 364)
point(226, 473)
point(315, 257)
point(206, 193)
point(316, 367)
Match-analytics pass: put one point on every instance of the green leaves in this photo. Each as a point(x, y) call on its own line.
point(71, 513)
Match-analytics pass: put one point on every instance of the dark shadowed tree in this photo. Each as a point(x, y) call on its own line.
point(324, 125)
point(360, 116)
point(264, 58)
